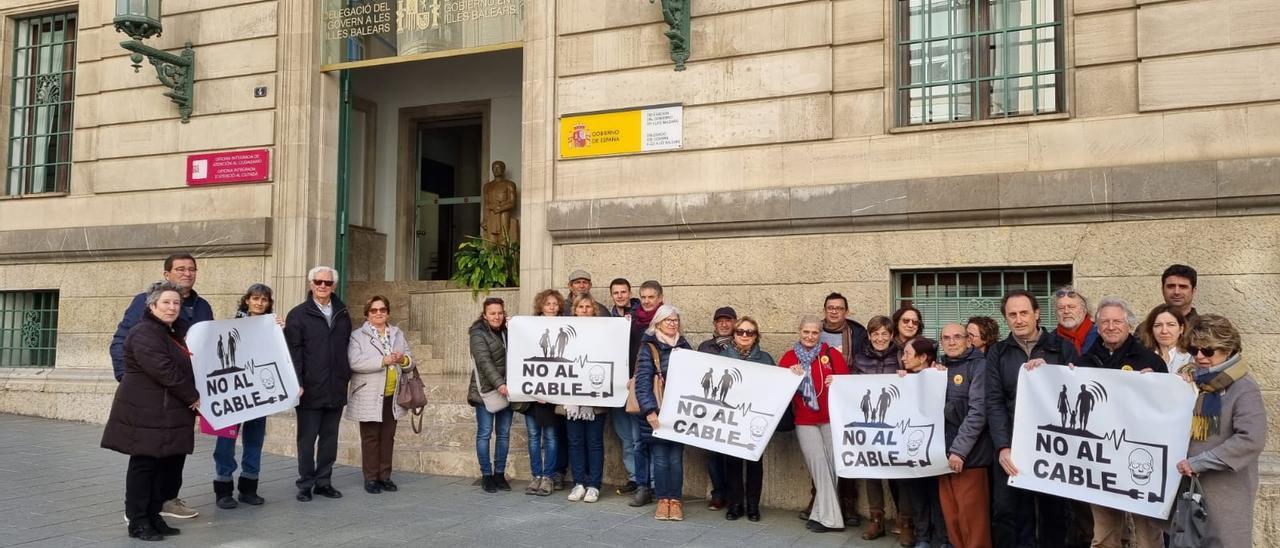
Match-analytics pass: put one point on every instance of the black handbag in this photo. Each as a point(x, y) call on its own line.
point(1190, 520)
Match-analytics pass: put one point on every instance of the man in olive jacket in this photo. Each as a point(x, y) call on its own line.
point(317, 332)
point(1018, 515)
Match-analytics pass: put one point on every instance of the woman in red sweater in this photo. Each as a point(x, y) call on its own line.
point(816, 362)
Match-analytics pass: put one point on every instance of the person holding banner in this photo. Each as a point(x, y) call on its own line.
point(879, 357)
point(585, 425)
point(540, 419)
point(1162, 332)
point(1228, 431)
point(721, 339)
point(488, 341)
point(256, 301)
point(919, 354)
point(964, 494)
point(817, 363)
point(1019, 517)
point(153, 413)
point(668, 457)
point(380, 358)
point(842, 333)
point(744, 498)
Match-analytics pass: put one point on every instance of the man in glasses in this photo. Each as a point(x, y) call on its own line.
point(847, 336)
point(721, 338)
point(317, 331)
point(179, 269)
point(1074, 322)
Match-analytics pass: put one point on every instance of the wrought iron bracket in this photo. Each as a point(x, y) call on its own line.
point(676, 14)
point(176, 72)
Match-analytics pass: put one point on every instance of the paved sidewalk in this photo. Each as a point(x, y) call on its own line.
point(60, 489)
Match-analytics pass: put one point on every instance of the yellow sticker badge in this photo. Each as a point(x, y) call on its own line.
point(1126, 367)
point(958, 379)
point(824, 360)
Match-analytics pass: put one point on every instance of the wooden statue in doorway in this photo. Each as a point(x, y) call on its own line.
point(499, 199)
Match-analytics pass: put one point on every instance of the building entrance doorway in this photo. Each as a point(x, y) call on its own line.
point(447, 206)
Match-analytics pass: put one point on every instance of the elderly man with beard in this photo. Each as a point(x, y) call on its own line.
point(1074, 322)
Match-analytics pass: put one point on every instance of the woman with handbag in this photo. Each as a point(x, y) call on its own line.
point(540, 417)
point(379, 358)
point(488, 393)
point(256, 301)
point(817, 363)
point(744, 497)
point(585, 425)
point(1228, 432)
point(659, 339)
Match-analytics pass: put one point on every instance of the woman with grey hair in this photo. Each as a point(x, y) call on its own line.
point(812, 359)
point(652, 361)
point(153, 414)
point(1228, 431)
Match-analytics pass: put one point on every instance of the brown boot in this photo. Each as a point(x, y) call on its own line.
point(908, 535)
point(875, 526)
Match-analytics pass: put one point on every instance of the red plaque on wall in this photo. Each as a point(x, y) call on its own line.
point(234, 166)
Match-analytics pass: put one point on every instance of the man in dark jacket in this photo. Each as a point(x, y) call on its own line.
point(1021, 518)
point(965, 492)
point(1119, 350)
point(625, 425)
point(721, 338)
point(180, 270)
point(317, 332)
point(849, 337)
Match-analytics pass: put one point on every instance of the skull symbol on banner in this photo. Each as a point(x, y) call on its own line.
point(267, 378)
point(914, 441)
point(1141, 465)
point(758, 426)
point(597, 377)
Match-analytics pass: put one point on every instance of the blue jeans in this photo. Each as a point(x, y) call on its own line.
point(484, 429)
point(586, 451)
point(715, 471)
point(542, 447)
point(224, 452)
point(668, 468)
point(625, 427)
point(562, 447)
point(640, 453)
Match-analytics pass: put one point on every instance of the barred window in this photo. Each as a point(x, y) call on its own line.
point(960, 60)
point(44, 61)
point(28, 328)
point(945, 296)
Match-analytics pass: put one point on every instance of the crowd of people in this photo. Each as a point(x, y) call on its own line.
point(362, 369)
point(974, 505)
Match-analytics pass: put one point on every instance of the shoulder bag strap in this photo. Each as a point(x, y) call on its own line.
point(657, 359)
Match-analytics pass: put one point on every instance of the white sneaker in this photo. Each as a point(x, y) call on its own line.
point(592, 495)
point(577, 493)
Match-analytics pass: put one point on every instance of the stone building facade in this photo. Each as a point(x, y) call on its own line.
point(892, 150)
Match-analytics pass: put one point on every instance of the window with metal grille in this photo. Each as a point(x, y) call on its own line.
point(945, 296)
point(28, 328)
point(961, 60)
point(44, 62)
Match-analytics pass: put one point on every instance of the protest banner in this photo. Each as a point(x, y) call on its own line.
point(1102, 436)
point(568, 360)
point(888, 427)
point(242, 369)
point(721, 404)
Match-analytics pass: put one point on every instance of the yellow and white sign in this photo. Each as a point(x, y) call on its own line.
point(622, 132)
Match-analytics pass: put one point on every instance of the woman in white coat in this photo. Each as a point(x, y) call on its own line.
point(379, 357)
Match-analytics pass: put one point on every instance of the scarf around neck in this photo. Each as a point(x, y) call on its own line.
point(807, 389)
point(1207, 418)
point(644, 317)
point(1078, 335)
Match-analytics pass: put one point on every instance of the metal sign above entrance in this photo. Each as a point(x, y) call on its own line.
point(361, 33)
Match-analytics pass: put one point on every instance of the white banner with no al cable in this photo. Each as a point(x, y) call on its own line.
point(242, 369)
point(1101, 436)
point(724, 405)
point(886, 426)
point(568, 360)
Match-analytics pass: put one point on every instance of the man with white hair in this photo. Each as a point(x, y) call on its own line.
point(1117, 348)
point(317, 332)
point(1074, 322)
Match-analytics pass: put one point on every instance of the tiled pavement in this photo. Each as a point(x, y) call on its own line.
point(58, 488)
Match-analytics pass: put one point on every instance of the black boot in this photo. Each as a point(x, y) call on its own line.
point(486, 483)
point(163, 528)
point(753, 512)
point(249, 491)
point(734, 512)
point(142, 529)
point(222, 493)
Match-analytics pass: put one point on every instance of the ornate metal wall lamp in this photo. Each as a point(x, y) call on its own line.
point(676, 14)
point(140, 19)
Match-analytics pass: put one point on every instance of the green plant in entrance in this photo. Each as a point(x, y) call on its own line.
point(483, 265)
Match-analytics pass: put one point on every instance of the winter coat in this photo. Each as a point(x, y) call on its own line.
point(637, 332)
point(644, 376)
point(319, 353)
point(756, 356)
point(1130, 356)
point(151, 415)
point(194, 310)
point(965, 411)
point(369, 376)
point(857, 338)
point(818, 372)
point(1230, 493)
point(869, 361)
point(489, 352)
point(1004, 360)
point(712, 345)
